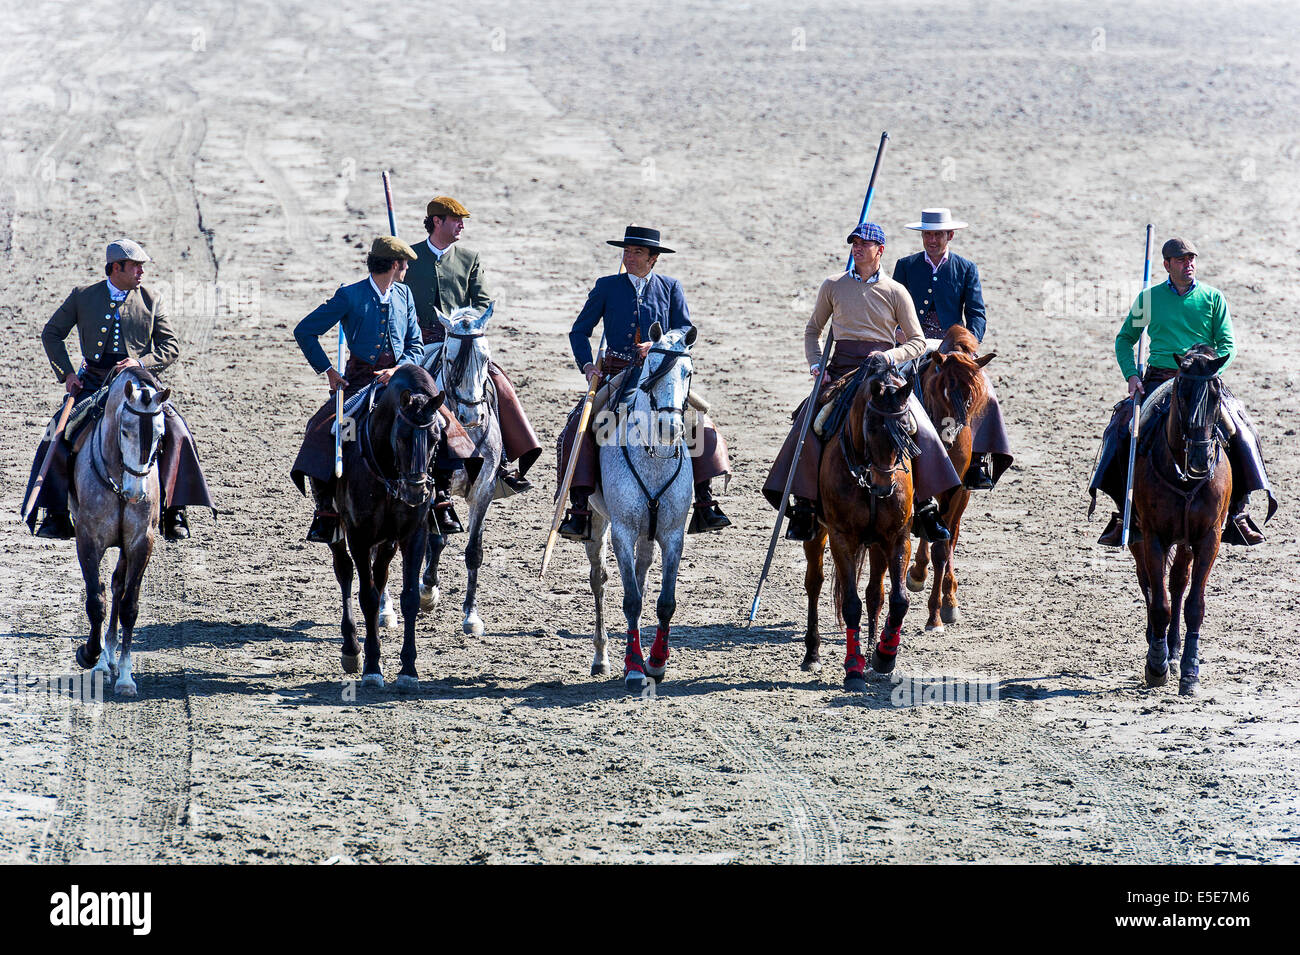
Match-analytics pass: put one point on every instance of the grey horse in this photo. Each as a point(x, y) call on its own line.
point(644, 498)
point(460, 367)
point(114, 500)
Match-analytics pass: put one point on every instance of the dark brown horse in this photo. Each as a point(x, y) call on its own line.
point(954, 392)
point(866, 499)
point(1181, 488)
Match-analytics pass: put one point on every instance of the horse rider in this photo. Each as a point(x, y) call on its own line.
point(629, 304)
point(863, 307)
point(120, 324)
point(945, 289)
point(378, 318)
point(445, 276)
point(1183, 312)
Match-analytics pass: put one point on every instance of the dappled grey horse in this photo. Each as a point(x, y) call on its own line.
point(114, 500)
point(644, 497)
point(460, 367)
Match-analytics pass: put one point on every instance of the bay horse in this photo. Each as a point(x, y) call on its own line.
point(866, 499)
point(1182, 485)
point(954, 393)
point(460, 369)
point(383, 503)
point(643, 499)
point(114, 499)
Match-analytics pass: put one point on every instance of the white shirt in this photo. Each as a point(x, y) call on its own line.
point(439, 253)
point(115, 293)
point(934, 269)
point(383, 296)
point(639, 283)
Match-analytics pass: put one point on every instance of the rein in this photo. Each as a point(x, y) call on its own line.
point(97, 449)
point(395, 486)
point(454, 376)
point(652, 500)
point(1200, 415)
point(861, 470)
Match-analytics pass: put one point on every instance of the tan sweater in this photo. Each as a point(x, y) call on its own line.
point(859, 311)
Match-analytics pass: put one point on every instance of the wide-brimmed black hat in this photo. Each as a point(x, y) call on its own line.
point(636, 235)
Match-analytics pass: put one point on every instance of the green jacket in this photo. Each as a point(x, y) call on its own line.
point(146, 334)
point(1176, 324)
point(453, 282)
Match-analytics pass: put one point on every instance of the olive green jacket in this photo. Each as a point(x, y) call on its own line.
point(444, 285)
point(146, 335)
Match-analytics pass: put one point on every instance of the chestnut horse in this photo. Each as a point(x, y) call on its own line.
point(866, 499)
point(1181, 488)
point(954, 392)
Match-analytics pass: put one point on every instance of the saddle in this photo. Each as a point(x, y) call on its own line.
point(836, 401)
point(614, 389)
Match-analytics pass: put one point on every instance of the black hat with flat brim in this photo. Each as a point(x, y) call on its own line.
point(646, 238)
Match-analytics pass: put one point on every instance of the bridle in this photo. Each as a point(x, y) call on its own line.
point(660, 372)
point(646, 386)
point(904, 448)
point(453, 376)
point(414, 487)
point(145, 420)
point(1204, 413)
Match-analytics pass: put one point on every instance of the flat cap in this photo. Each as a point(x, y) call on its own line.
point(1175, 248)
point(126, 250)
point(391, 247)
point(446, 206)
point(867, 232)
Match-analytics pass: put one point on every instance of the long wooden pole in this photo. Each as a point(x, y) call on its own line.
point(49, 456)
point(1137, 395)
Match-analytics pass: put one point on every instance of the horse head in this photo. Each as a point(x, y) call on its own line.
point(886, 423)
point(409, 409)
point(464, 362)
point(135, 411)
point(1194, 409)
point(666, 382)
point(953, 384)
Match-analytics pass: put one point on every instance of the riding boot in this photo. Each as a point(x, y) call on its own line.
point(1113, 535)
point(803, 521)
point(57, 526)
point(514, 480)
point(577, 521)
point(707, 514)
point(927, 522)
point(325, 522)
point(978, 477)
point(443, 515)
point(1240, 529)
point(176, 526)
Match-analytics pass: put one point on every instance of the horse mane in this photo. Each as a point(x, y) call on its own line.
point(142, 375)
point(959, 339)
point(950, 376)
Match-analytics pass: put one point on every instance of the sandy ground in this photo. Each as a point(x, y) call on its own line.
point(242, 144)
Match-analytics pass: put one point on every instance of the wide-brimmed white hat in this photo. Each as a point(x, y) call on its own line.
point(936, 220)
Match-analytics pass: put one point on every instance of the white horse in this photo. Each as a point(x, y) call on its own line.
point(460, 367)
point(114, 500)
point(644, 498)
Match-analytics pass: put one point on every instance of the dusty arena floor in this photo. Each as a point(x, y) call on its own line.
point(242, 144)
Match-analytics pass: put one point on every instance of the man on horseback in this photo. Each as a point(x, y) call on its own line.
point(1182, 312)
point(120, 324)
point(863, 307)
point(945, 289)
point(379, 320)
point(629, 304)
point(443, 277)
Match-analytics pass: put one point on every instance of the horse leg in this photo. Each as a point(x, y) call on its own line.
point(1189, 679)
point(1157, 666)
point(885, 653)
point(413, 550)
point(625, 551)
point(596, 551)
point(1178, 576)
point(670, 547)
point(368, 597)
point(343, 573)
point(941, 553)
point(813, 579)
point(129, 603)
point(472, 623)
point(381, 557)
point(916, 576)
point(430, 591)
point(90, 653)
point(843, 553)
point(948, 613)
point(109, 657)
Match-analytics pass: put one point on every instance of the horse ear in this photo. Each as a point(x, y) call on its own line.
point(435, 401)
point(405, 399)
point(983, 360)
point(162, 396)
point(130, 391)
point(487, 314)
point(442, 318)
point(692, 333)
point(656, 332)
point(1219, 363)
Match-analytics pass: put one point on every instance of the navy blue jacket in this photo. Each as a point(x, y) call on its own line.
point(613, 298)
point(357, 307)
point(955, 292)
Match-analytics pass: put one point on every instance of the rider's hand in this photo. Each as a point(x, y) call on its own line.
point(127, 363)
point(814, 370)
point(590, 371)
point(1135, 386)
point(383, 375)
point(642, 350)
point(337, 381)
point(73, 384)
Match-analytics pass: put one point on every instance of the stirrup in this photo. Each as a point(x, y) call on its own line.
point(57, 526)
point(176, 526)
point(1241, 531)
point(444, 518)
point(1113, 535)
point(324, 527)
point(576, 526)
point(515, 481)
point(803, 523)
point(708, 516)
point(929, 525)
point(978, 477)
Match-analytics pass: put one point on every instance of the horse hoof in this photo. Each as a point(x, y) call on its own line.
point(855, 682)
point(635, 682)
point(813, 665)
point(949, 614)
point(83, 659)
point(600, 669)
point(882, 664)
point(373, 679)
point(124, 688)
point(1189, 686)
point(1155, 678)
point(934, 628)
point(351, 663)
point(407, 684)
point(656, 673)
point(428, 598)
point(473, 625)
point(387, 620)
point(914, 585)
